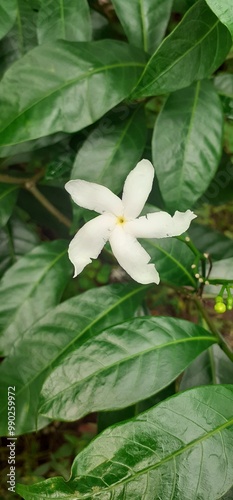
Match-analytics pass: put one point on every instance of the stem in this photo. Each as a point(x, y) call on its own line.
point(31, 187)
point(213, 368)
point(13, 180)
point(190, 244)
point(213, 329)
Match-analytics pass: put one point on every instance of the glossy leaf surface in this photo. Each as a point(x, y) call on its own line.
point(8, 197)
point(115, 145)
point(8, 10)
point(179, 450)
point(30, 288)
point(61, 331)
point(172, 259)
point(186, 156)
point(144, 21)
point(63, 77)
point(224, 10)
point(66, 19)
point(201, 44)
point(121, 366)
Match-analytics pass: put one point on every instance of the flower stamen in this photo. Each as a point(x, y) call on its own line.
point(121, 219)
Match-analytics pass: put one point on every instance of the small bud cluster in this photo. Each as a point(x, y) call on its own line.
point(220, 305)
point(195, 266)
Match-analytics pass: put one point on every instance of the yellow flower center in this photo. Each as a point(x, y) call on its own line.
point(121, 219)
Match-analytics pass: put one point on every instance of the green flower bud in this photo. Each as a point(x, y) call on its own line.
point(220, 307)
point(229, 303)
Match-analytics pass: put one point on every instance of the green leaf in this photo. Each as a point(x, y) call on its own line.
point(59, 332)
point(114, 146)
point(186, 157)
point(8, 198)
point(207, 240)
point(173, 260)
point(211, 367)
point(182, 446)
point(65, 78)
point(66, 19)
point(224, 10)
point(30, 288)
point(144, 21)
point(8, 11)
point(201, 44)
point(17, 238)
point(112, 363)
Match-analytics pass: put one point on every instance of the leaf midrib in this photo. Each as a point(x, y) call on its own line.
point(173, 63)
point(187, 143)
point(162, 250)
point(144, 33)
point(118, 143)
point(125, 360)
point(159, 464)
point(66, 85)
point(46, 270)
point(62, 18)
point(89, 326)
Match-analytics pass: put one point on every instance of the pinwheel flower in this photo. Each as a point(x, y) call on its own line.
point(119, 223)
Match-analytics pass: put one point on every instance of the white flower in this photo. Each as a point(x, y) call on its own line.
point(119, 225)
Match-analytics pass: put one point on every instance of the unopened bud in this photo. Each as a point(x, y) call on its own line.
point(220, 307)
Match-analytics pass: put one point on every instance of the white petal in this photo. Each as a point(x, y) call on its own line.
point(137, 188)
point(94, 197)
point(132, 257)
point(160, 224)
point(89, 241)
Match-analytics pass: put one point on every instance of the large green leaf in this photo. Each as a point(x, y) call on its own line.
point(186, 156)
point(30, 288)
point(196, 48)
point(110, 366)
point(179, 450)
point(224, 10)
point(172, 259)
point(144, 21)
point(8, 197)
point(211, 367)
point(17, 238)
point(66, 19)
point(112, 149)
point(61, 331)
point(65, 86)
point(8, 10)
